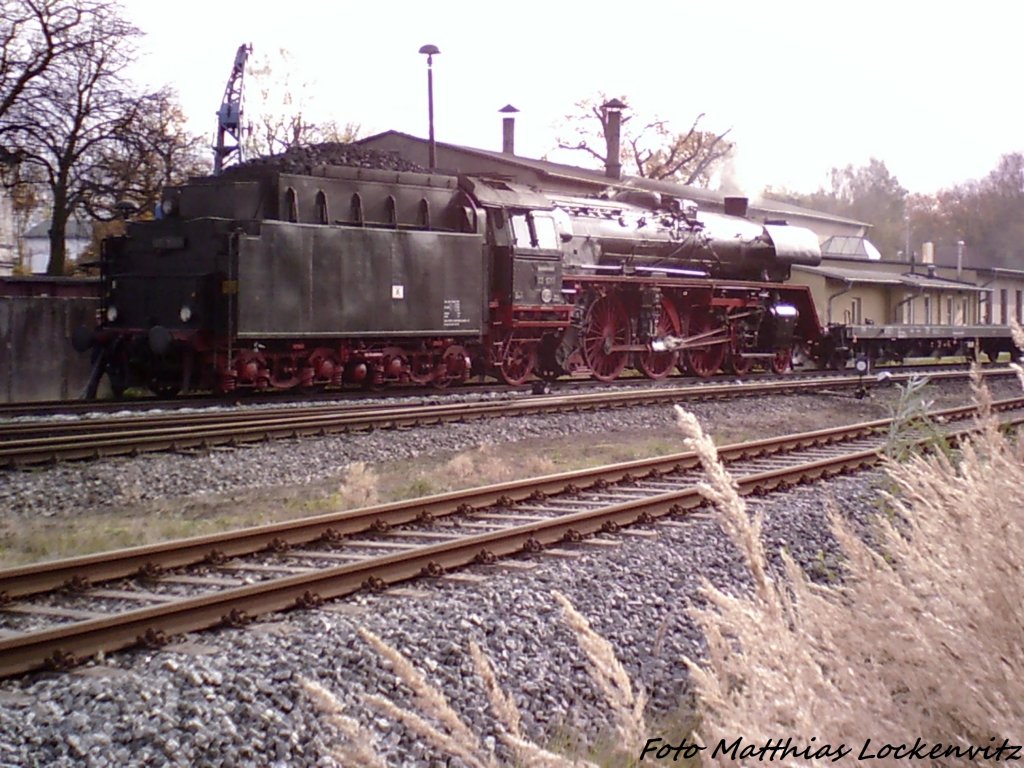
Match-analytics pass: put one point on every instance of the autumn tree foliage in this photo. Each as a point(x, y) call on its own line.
point(650, 147)
point(869, 193)
point(987, 215)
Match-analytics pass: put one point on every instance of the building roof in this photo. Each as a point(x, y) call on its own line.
point(849, 246)
point(880, 277)
point(773, 208)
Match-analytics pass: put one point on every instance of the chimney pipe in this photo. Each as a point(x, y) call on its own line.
point(959, 259)
point(613, 135)
point(508, 130)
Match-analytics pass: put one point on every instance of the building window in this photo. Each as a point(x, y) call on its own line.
point(291, 204)
point(321, 208)
point(1020, 308)
point(357, 209)
point(1003, 317)
point(908, 310)
point(927, 310)
point(392, 211)
point(855, 311)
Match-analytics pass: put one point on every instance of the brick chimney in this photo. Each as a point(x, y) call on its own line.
point(508, 129)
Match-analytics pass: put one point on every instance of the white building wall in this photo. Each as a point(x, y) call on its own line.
point(8, 239)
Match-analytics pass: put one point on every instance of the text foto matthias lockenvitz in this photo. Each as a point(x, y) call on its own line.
point(657, 749)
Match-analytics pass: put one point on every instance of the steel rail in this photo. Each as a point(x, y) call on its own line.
point(352, 397)
point(85, 440)
point(31, 579)
point(231, 607)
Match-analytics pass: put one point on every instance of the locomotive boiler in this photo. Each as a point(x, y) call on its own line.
point(262, 278)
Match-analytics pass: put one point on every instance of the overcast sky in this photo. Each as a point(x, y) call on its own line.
point(930, 88)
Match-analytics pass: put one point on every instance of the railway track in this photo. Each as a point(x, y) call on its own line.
point(142, 405)
point(59, 613)
point(33, 442)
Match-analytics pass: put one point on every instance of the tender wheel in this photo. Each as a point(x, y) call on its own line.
point(606, 325)
point(658, 365)
point(162, 388)
point(423, 368)
point(782, 361)
point(703, 361)
point(517, 361)
point(837, 361)
point(455, 367)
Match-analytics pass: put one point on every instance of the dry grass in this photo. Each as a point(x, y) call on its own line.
point(923, 638)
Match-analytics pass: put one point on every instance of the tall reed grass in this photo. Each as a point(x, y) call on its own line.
point(923, 638)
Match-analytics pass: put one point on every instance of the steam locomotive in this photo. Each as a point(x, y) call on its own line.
point(262, 279)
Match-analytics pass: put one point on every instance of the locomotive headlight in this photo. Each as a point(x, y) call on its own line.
point(111, 314)
point(546, 295)
point(168, 206)
point(185, 314)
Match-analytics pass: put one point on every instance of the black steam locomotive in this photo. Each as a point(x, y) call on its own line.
point(263, 279)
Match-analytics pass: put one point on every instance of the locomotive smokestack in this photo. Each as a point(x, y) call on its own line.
point(613, 130)
point(508, 130)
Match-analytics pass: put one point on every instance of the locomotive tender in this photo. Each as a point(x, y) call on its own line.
point(263, 279)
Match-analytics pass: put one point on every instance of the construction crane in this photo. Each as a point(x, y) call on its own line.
point(229, 116)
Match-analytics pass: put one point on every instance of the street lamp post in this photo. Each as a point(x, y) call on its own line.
point(430, 50)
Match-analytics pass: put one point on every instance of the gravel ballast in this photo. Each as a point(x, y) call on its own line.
point(232, 697)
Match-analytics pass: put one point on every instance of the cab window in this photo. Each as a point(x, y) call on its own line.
point(545, 231)
point(521, 230)
point(534, 230)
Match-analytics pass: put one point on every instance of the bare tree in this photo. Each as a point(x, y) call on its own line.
point(276, 109)
point(33, 35)
point(143, 156)
point(67, 112)
point(650, 146)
